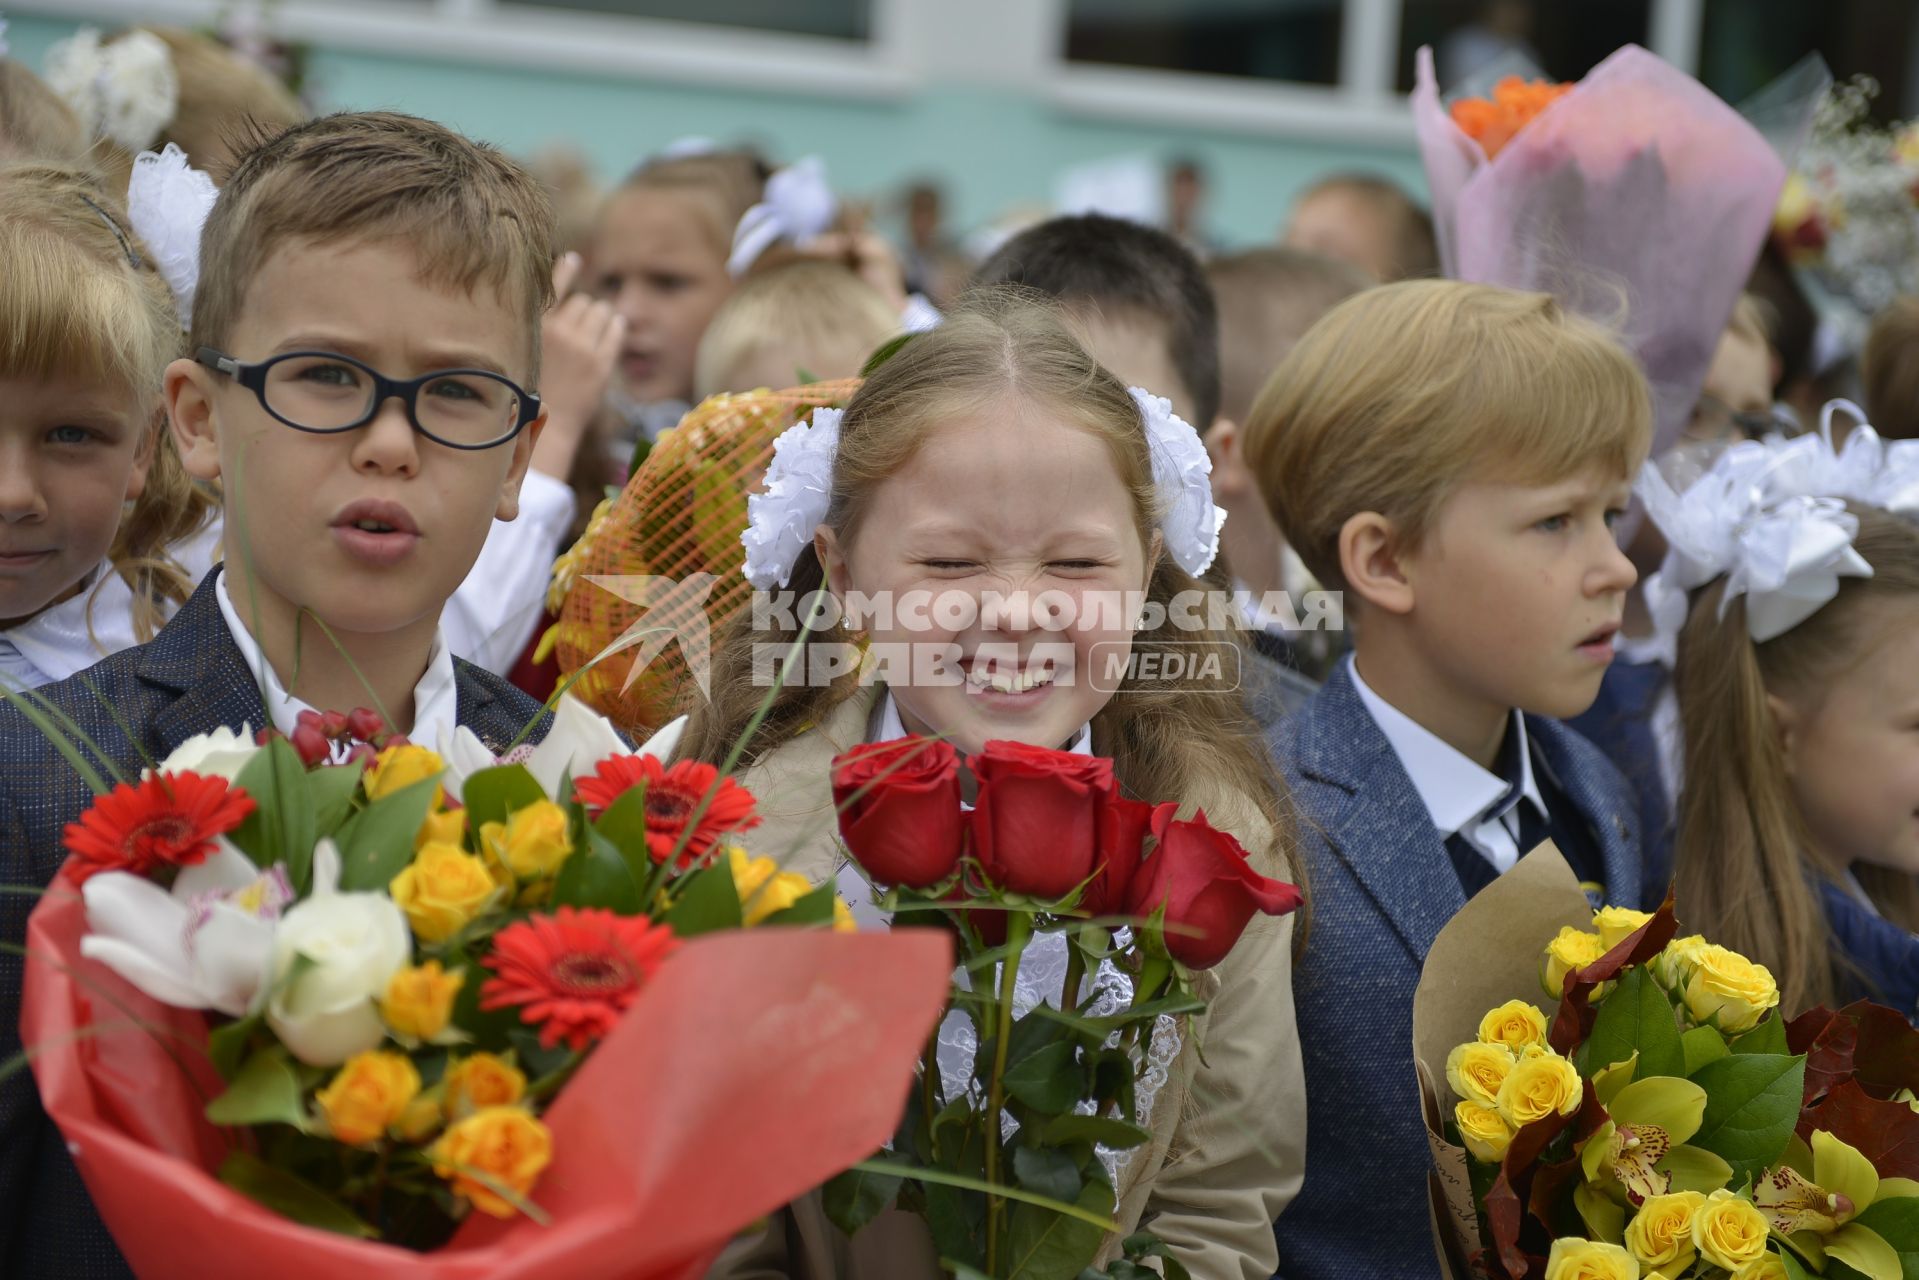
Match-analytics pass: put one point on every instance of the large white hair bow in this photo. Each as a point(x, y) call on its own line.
point(797, 206)
point(1770, 516)
point(168, 201)
point(126, 91)
point(799, 490)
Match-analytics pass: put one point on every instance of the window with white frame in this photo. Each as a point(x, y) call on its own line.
point(835, 19)
point(1297, 41)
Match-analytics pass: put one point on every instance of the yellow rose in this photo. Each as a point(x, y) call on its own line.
point(1672, 968)
point(1483, 1131)
point(506, 1144)
point(1539, 1085)
point(1475, 1071)
point(1661, 1234)
point(532, 842)
point(481, 1081)
point(1766, 1267)
point(1616, 924)
point(1573, 1259)
point(764, 889)
point(1514, 1024)
point(368, 1096)
point(419, 1000)
point(399, 767)
point(1728, 991)
point(443, 826)
point(1571, 950)
point(1728, 1231)
point(441, 890)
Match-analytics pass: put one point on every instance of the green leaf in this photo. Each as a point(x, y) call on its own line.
point(624, 823)
point(1896, 1220)
point(332, 789)
point(1049, 1171)
point(1047, 1081)
point(596, 876)
point(1768, 1037)
point(1107, 1131)
point(705, 901)
point(281, 828)
point(856, 1197)
point(491, 795)
point(376, 844)
point(291, 1197)
point(815, 909)
point(227, 1045)
point(1752, 1104)
point(1043, 1245)
point(1637, 1017)
point(266, 1091)
point(1702, 1045)
point(1795, 1269)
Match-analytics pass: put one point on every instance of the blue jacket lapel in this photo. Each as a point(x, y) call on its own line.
point(1595, 790)
point(1381, 831)
point(195, 656)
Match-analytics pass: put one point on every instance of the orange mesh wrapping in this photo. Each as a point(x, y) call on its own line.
point(682, 512)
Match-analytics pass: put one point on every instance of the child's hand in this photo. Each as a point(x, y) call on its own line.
point(579, 345)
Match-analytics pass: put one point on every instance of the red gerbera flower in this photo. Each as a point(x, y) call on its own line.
point(672, 794)
point(168, 820)
point(575, 971)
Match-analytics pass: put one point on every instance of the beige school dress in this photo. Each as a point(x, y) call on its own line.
point(1228, 1151)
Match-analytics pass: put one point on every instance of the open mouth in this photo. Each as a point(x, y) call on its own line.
point(1601, 640)
point(992, 676)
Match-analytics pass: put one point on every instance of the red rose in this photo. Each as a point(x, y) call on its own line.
point(1037, 818)
point(900, 810)
point(1124, 825)
point(1209, 890)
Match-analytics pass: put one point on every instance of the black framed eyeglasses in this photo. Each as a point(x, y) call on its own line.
point(324, 392)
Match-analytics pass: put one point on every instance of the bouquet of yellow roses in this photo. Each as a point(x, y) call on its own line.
point(1657, 1124)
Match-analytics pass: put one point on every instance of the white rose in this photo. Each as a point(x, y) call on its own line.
point(355, 943)
point(220, 754)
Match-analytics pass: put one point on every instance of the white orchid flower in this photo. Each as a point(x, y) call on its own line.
point(353, 944)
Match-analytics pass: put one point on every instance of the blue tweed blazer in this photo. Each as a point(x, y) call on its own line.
point(190, 679)
point(1382, 886)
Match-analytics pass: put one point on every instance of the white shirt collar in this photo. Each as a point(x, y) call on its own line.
point(436, 701)
point(891, 727)
point(1456, 791)
point(70, 636)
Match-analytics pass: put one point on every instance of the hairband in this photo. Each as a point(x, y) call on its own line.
point(119, 232)
point(799, 490)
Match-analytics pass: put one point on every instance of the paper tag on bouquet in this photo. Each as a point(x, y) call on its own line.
point(1486, 955)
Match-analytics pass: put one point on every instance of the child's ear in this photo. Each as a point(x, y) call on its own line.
point(508, 508)
point(1785, 724)
point(1371, 560)
point(188, 397)
point(826, 545)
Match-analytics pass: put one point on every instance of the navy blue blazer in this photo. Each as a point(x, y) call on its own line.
point(1881, 959)
point(190, 679)
point(1382, 886)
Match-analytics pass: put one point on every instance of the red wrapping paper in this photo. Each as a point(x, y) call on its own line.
point(753, 1067)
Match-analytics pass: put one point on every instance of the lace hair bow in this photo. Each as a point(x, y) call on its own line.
point(126, 92)
point(168, 201)
point(1770, 517)
point(797, 206)
point(799, 490)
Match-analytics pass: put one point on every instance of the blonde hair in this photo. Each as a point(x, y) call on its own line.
point(1268, 298)
point(470, 215)
point(35, 124)
point(1404, 392)
point(818, 316)
point(1741, 872)
point(1891, 370)
point(720, 185)
point(1165, 742)
point(84, 301)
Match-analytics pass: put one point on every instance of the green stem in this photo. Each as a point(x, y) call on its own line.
point(1018, 929)
point(1075, 975)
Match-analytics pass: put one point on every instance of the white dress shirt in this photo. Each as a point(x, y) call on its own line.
point(1463, 798)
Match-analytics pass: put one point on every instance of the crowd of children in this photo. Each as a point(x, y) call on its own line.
point(333, 462)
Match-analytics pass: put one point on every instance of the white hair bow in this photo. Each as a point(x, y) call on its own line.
point(168, 201)
point(797, 206)
point(1770, 516)
point(126, 91)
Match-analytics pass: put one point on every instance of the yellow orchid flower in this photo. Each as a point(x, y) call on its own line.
point(1815, 1215)
point(1640, 1150)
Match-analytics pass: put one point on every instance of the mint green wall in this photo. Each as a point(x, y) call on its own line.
point(994, 149)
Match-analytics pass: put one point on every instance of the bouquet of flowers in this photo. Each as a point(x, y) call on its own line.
point(514, 1020)
point(1665, 1120)
point(1635, 186)
point(1085, 921)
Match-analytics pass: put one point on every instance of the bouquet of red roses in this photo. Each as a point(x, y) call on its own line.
point(347, 1004)
point(1081, 916)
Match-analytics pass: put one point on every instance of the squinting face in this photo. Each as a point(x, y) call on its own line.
point(655, 260)
point(980, 509)
point(1853, 749)
point(72, 454)
point(302, 510)
point(1519, 590)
